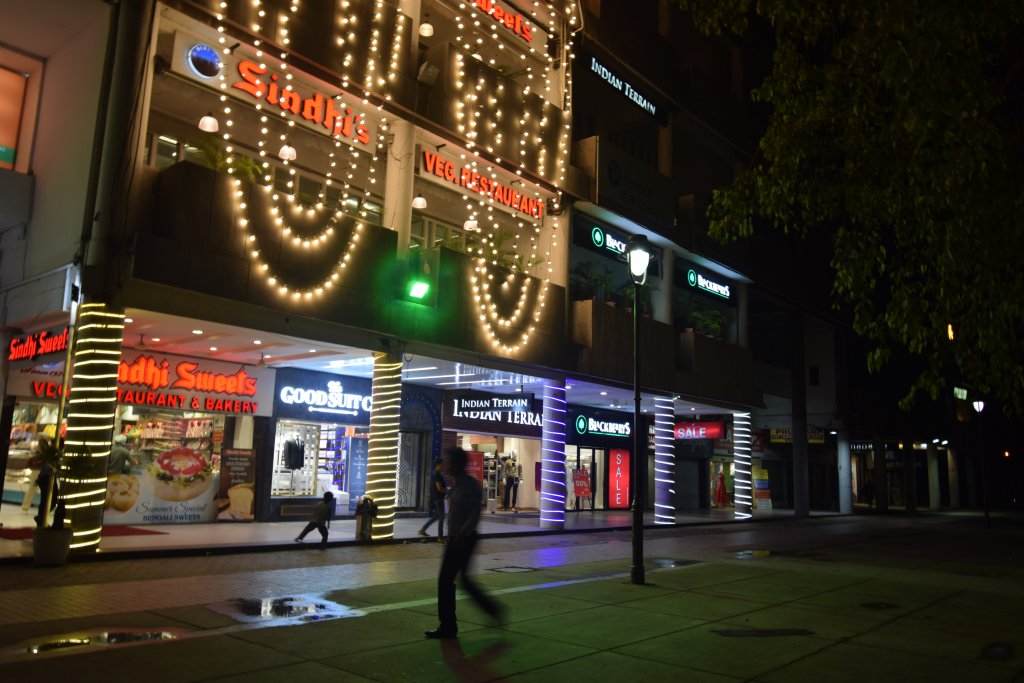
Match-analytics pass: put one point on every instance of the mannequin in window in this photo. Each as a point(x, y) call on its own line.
point(294, 454)
point(510, 474)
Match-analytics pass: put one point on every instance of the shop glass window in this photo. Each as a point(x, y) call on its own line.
point(309, 191)
point(192, 153)
point(166, 152)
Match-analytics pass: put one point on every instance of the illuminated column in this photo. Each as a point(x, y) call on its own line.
point(398, 182)
point(91, 403)
point(742, 489)
point(845, 473)
point(382, 462)
point(552, 459)
point(664, 461)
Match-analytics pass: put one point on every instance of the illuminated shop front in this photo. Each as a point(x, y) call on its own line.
point(502, 435)
point(35, 373)
point(598, 451)
point(187, 425)
point(321, 440)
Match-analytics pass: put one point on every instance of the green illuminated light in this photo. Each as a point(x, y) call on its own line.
point(418, 289)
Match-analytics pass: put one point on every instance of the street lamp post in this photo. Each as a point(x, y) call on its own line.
point(638, 255)
point(979, 406)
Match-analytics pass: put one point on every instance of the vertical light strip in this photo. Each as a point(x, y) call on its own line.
point(552, 459)
point(742, 488)
point(664, 461)
point(92, 401)
point(382, 462)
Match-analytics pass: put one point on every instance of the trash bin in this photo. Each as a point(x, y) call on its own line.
point(366, 510)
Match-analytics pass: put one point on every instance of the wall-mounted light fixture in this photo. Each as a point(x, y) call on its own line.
point(419, 202)
point(209, 123)
point(426, 28)
point(287, 152)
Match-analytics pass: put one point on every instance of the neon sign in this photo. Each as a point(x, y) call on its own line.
point(618, 479)
point(513, 21)
point(485, 185)
point(588, 425)
point(147, 372)
point(700, 430)
point(623, 86)
point(32, 346)
point(334, 400)
point(319, 109)
point(695, 279)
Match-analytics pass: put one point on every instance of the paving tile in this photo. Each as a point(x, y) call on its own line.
point(14, 634)
point(853, 663)
point(855, 603)
point(196, 616)
point(701, 649)
point(169, 662)
point(325, 639)
point(303, 671)
point(603, 627)
point(698, 606)
point(822, 624)
point(612, 666)
point(611, 591)
point(812, 579)
point(760, 589)
point(386, 594)
point(474, 656)
point(963, 641)
point(527, 605)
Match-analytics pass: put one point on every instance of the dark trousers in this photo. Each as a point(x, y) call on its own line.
point(315, 525)
point(511, 491)
point(436, 512)
point(457, 555)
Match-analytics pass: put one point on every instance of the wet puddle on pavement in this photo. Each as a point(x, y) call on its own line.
point(280, 611)
point(90, 640)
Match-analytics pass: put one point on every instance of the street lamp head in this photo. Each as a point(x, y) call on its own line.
point(978, 406)
point(638, 254)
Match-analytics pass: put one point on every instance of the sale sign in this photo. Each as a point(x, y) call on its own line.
point(618, 479)
point(475, 465)
point(581, 483)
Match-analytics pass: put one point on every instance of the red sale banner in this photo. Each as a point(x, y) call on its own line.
point(581, 483)
point(618, 479)
point(475, 465)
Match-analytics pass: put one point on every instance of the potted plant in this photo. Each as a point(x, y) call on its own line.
point(708, 322)
point(644, 297)
point(51, 541)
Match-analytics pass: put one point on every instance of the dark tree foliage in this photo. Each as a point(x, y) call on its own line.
point(896, 126)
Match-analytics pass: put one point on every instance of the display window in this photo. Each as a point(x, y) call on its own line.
point(585, 469)
point(164, 467)
point(507, 467)
point(312, 458)
point(32, 421)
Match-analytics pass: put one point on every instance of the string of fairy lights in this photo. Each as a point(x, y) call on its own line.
point(507, 324)
point(382, 452)
point(472, 105)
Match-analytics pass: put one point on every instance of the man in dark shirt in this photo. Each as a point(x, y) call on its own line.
point(438, 492)
point(466, 497)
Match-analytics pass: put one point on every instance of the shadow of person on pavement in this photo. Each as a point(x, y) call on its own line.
point(475, 668)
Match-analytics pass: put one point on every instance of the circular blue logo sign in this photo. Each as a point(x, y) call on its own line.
point(597, 234)
point(204, 61)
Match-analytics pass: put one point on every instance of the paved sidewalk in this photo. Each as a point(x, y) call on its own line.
point(835, 599)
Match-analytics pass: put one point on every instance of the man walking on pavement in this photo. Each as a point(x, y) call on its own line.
point(438, 492)
point(465, 497)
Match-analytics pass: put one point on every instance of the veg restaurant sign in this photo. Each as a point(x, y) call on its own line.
point(439, 168)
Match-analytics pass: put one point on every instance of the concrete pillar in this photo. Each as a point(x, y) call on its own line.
point(880, 478)
point(845, 473)
point(801, 490)
point(662, 299)
point(398, 181)
point(909, 478)
point(557, 229)
point(382, 459)
point(743, 485)
point(742, 315)
point(664, 461)
point(552, 457)
point(934, 490)
point(954, 479)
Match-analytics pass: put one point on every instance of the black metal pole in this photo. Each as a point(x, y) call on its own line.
point(636, 572)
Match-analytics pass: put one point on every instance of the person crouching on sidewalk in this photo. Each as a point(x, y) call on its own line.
point(320, 519)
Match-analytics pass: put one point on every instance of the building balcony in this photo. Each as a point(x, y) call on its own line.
point(606, 335)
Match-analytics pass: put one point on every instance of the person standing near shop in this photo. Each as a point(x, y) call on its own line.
point(466, 497)
point(120, 456)
point(438, 493)
point(319, 520)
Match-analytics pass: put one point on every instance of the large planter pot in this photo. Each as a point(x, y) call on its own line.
point(50, 546)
